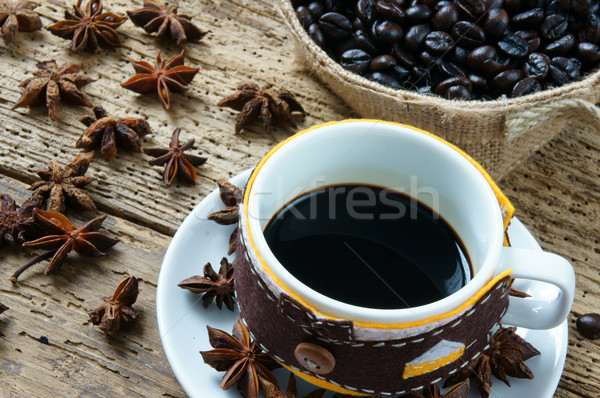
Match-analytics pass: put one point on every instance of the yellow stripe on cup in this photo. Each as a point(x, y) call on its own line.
point(506, 207)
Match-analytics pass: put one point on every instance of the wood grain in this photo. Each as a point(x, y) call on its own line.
point(556, 192)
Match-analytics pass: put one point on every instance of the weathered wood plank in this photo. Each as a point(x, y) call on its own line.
point(237, 49)
point(557, 195)
point(79, 359)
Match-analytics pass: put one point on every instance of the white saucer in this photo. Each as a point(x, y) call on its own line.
point(182, 320)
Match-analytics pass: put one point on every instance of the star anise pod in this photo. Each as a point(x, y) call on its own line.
point(64, 185)
point(15, 16)
point(90, 27)
point(270, 104)
point(504, 358)
point(15, 223)
point(177, 163)
point(62, 237)
point(215, 286)
point(117, 310)
point(2, 309)
point(460, 390)
point(51, 84)
point(272, 390)
point(155, 17)
point(107, 132)
point(241, 358)
point(163, 77)
point(231, 196)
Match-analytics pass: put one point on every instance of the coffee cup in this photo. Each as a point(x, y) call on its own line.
point(375, 351)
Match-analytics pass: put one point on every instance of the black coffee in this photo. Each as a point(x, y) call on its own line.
point(368, 246)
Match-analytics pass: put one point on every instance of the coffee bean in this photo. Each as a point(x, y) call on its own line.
point(528, 19)
point(315, 33)
point(389, 10)
point(472, 8)
point(440, 4)
point(505, 81)
point(335, 25)
point(424, 89)
point(589, 326)
point(418, 14)
point(415, 37)
point(365, 43)
point(443, 86)
point(419, 73)
point(459, 55)
point(525, 86)
point(458, 93)
point(468, 34)
point(366, 11)
point(426, 58)
point(514, 46)
point(496, 22)
point(445, 18)
point(554, 8)
point(571, 66)
point(484, 59)
point(401, 73)
point(537, 66)
point(477, 81)
point(385, 79)
point(434, 3)
point(439, 42)
point(403, 57)
point(531, 37)
point(316, 9)
point(449, 69)
point(577, 6)
point(591, 31)
point(383, 62)
point(564, 70)
point(554, 27)
point(356, 61)
point(387, 32)
point(304, 16)
point(561, 46)
point(588, 53)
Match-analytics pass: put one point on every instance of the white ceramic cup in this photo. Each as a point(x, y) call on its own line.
point(407, 160)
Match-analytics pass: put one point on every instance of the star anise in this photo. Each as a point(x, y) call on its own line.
point(241, 358)
point(90, 27)
point(155, 17)
point(62, 237)
point(460, 390)
point(15, 223)
point(177, 163)
point(273, 391)
point(504, 358)
point(51, 84)
point(215, 286)
point(62, 186)
point(15, 16)
point(2, 309)
point(270, 104)
point(107, 132)
point(117, 310)
point(231, 196)
point(163, 77)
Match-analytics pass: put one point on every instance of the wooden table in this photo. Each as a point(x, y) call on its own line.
point(556, 193)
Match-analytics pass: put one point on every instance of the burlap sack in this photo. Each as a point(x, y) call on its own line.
point(498, 134)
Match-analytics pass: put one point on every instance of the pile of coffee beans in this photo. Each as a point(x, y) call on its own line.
point(459, 49)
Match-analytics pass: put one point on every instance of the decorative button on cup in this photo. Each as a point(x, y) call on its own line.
point(314, 358)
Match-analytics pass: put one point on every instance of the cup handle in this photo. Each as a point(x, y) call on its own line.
point(532, 312)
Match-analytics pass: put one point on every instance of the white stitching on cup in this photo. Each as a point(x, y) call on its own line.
point(436, 381)
point(379, 345)
point(399, 345)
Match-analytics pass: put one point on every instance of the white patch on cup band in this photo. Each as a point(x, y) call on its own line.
point(441, 354)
